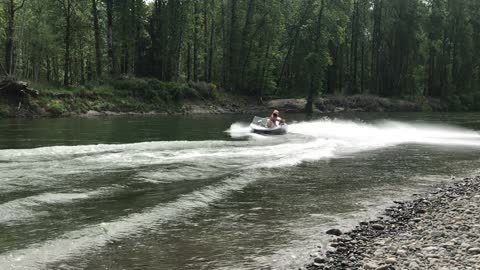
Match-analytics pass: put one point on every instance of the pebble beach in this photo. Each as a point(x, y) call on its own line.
point(437, 230)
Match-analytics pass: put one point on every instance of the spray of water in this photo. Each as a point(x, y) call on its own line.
point(384, 133)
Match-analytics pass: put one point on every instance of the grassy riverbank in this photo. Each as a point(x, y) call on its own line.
point(120, 96)
point(153, 96)
point(134, 95)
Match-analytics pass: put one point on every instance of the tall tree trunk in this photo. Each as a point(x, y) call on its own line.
point(246, 37)
point(195, 41)
point(362, 71)
point(178, 36)
point(225, 43)
point(82, 65)
point(340, 70)
point(265, 64)
point(189, 61)
point(89, 69)
point(138, 31)
point(205, 40)
point(49, 69)
point(67, 61)
point(211, 48)
point(10, 35)
point(314, 78)
point(431, 78)
point(55, 69)
point(232, 55)
point(111, 60)
point(354, 48)
point(98, 52)
point(376, 46)
point(125, 38)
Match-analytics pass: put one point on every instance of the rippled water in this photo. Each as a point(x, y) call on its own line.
point(204, 193)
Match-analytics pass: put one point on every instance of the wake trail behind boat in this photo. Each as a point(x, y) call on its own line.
point(359, 136)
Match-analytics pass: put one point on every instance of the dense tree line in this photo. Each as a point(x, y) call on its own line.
point(415, 48)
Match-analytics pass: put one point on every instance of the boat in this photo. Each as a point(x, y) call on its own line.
point(259, 126)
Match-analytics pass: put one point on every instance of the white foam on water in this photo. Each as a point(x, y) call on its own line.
point(242, 130)
point(239, 130)
point(97, 236)
point(306, 141)
point(48, 165)
point(386, 133)
point(60, 152)
point(30, 207)
point(186, 173)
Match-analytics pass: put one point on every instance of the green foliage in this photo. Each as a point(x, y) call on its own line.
point(135, 87)
point(56, 107)
point(155, 90)
point(392, 48)
point(205, 90)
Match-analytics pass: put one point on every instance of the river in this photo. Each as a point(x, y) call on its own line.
point(201, 192)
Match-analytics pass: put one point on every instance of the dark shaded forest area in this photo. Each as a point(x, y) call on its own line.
point(414, 49)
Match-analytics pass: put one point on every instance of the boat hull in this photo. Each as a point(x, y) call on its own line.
point(280, 130)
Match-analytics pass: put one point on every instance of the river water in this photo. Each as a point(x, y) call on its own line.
point(201, 192)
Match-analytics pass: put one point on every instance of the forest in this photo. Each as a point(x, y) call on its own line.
point(415, 49)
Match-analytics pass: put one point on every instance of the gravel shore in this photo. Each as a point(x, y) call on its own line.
point(440, 230)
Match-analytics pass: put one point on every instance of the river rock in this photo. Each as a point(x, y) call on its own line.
point(430, 249)
point(370, 265)
point(335, 232)
point(391, 260)
point(93, 113)
point(413, 265)
point(437, 234)
point(473, 250)
point(378, 227)
point(447, 244)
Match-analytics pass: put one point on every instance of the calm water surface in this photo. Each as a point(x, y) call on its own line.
point(201, 192)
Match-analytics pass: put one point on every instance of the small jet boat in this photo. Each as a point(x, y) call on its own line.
point(259, 126)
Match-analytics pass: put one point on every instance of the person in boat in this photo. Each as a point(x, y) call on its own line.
point(274, 119)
